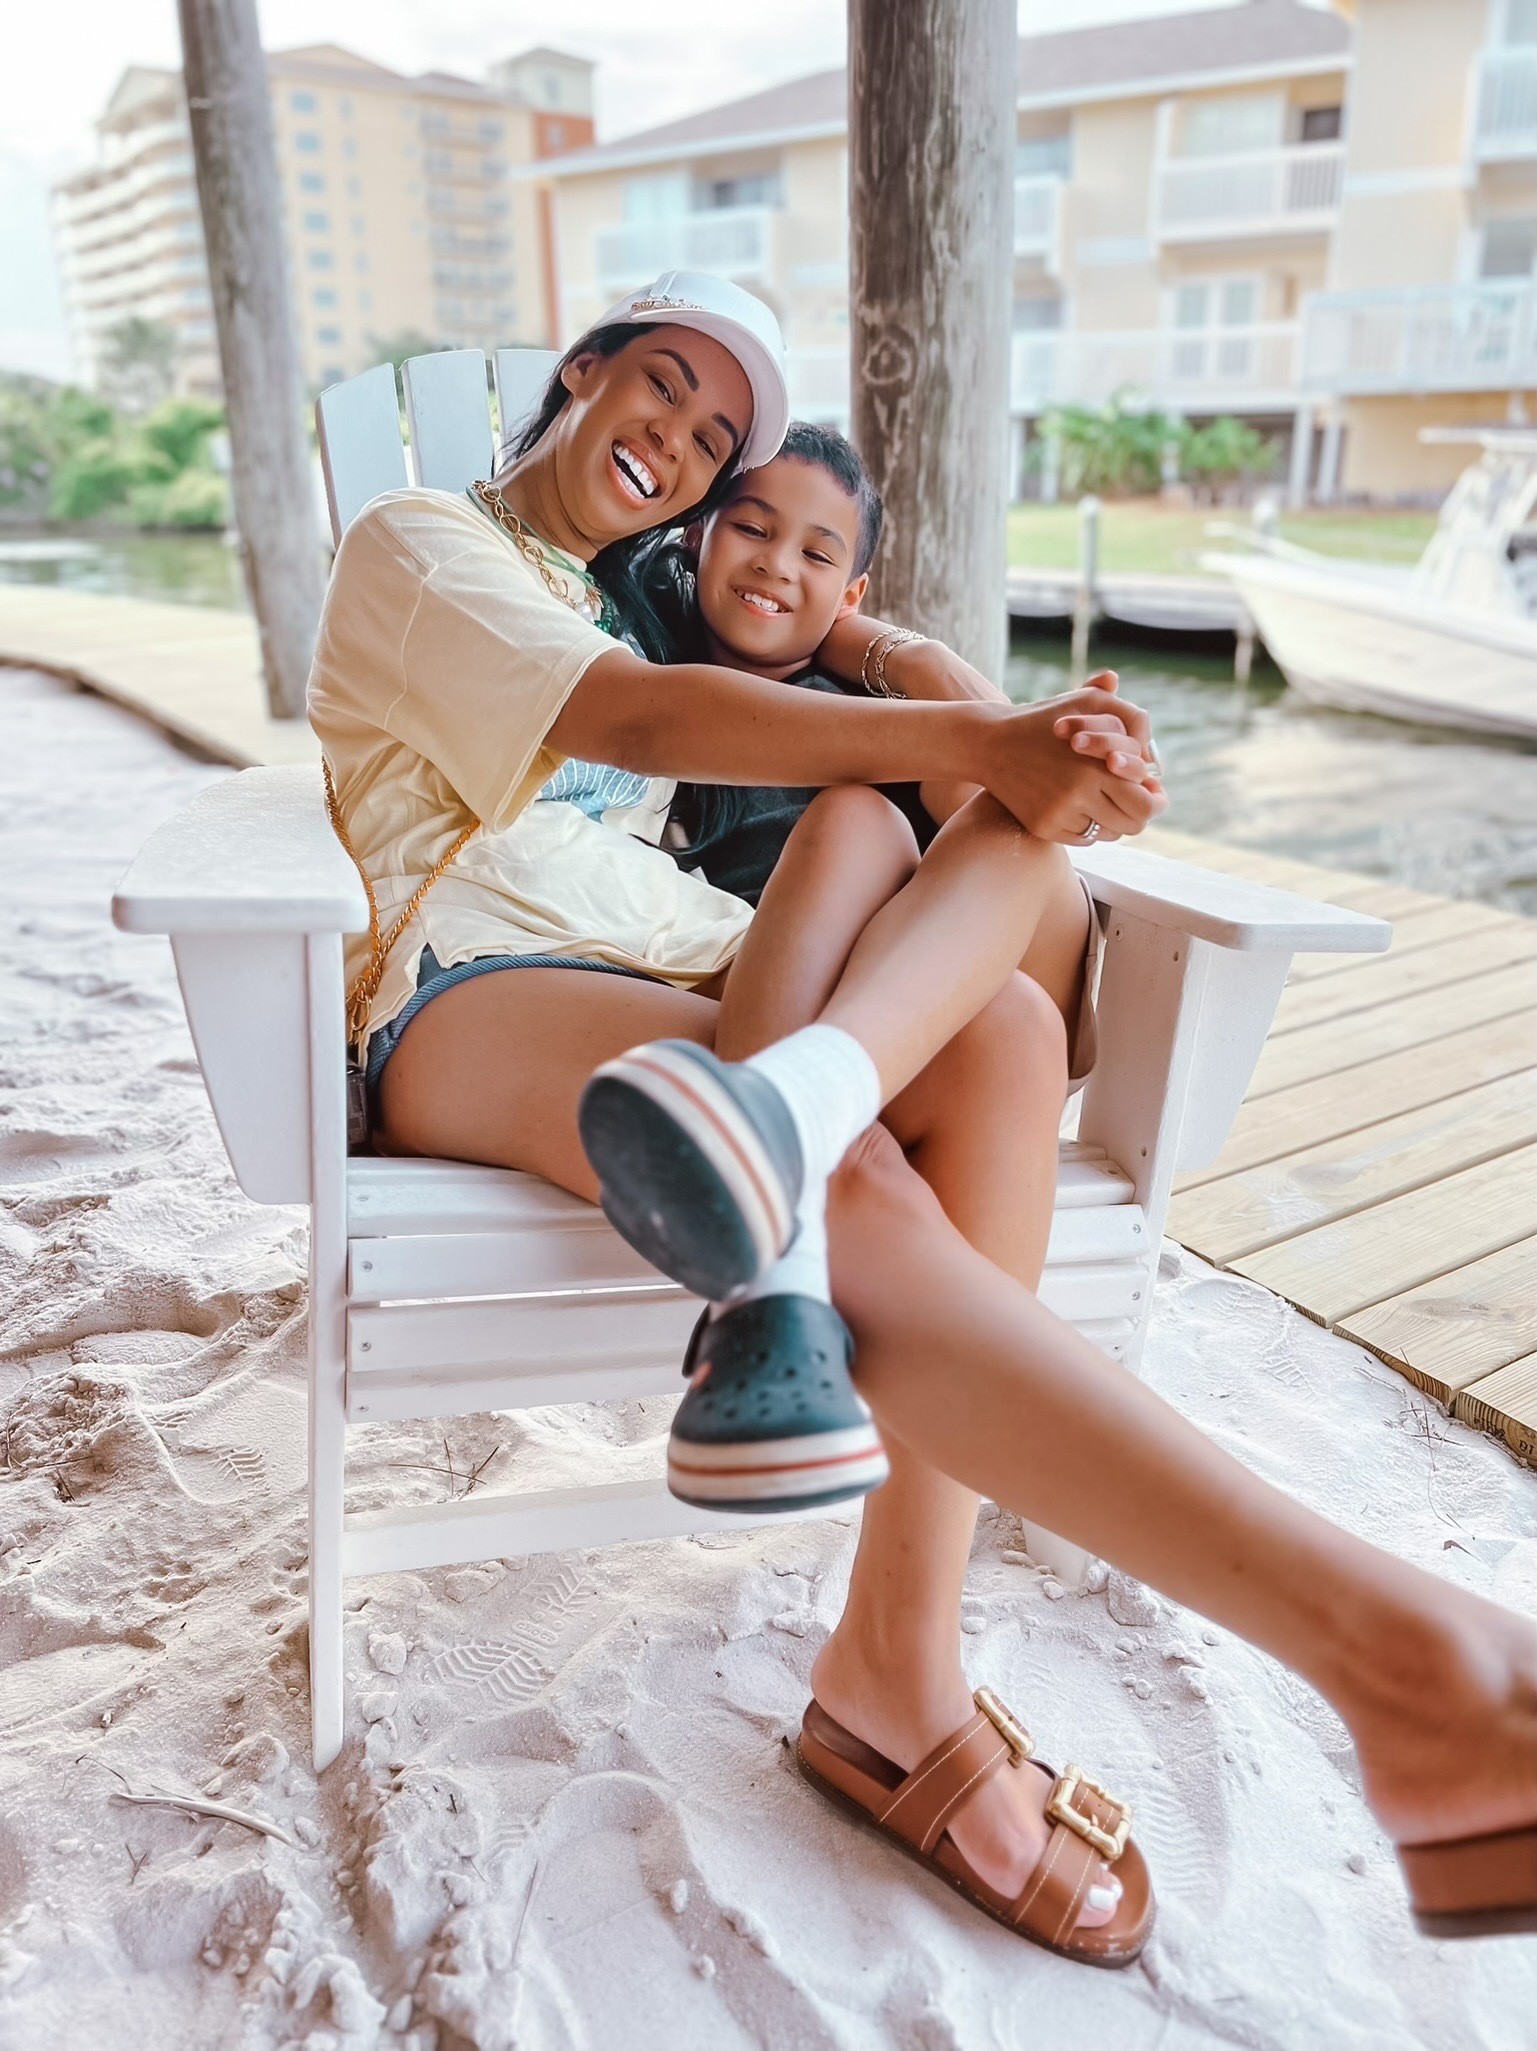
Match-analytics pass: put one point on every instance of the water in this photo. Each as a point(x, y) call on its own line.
point(186, 569)
point(1248, 764)
point(1257, 767)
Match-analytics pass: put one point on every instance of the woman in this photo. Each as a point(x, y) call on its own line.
point(451, 678)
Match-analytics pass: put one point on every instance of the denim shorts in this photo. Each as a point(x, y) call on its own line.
point(432, 979)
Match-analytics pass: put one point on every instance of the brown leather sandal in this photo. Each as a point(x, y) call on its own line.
point(912, 1809)
point(1473, 1886)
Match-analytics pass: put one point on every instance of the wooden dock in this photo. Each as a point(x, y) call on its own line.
point(1382, 1172)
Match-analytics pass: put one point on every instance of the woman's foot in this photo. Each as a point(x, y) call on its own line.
point(1444, 1719)
point(1002, 1831)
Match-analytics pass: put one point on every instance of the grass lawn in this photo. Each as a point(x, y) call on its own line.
point(1140, 534)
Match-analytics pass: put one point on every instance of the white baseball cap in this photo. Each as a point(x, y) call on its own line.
point(740, 323)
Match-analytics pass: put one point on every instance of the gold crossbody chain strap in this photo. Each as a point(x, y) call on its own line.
point(361, 996)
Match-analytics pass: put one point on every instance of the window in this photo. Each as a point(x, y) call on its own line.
point(332, 375)
point(1043, 156)
point(1215, 303)
point(345, 107)
point(1322, 124)
point(349, 146)
point(319, 259)
point(1509, 247)
point(330, 335)
point(762, 190)
point(1035, 316)
point(1521, 21)
point(555, 135)
point(490, 131)
point(302, 103)
point(307, 140)
point(357, 224)
point(318, 224)
point(323, 297)
point(1225, 127)
point(312, 181)
point(661, 197)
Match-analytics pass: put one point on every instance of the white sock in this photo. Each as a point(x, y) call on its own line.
point(801, 1270)
point(833, 1091)
point(831, 1088)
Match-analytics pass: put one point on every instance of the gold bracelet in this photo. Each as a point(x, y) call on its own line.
point(874, 679)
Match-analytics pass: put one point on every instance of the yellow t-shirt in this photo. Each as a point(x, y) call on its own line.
point(441, 664)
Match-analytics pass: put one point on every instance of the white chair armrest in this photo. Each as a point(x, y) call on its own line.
point(254, 853)
point(1229, 911)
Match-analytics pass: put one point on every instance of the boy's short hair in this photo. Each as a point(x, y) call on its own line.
point(806, 442)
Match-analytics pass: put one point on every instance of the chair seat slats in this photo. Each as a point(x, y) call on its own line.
point(386, 1197)
point(528, 1260)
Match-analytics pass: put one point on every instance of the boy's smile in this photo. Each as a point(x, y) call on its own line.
point(776, 567)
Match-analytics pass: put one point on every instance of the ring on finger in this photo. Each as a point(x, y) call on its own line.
point(1090, 833)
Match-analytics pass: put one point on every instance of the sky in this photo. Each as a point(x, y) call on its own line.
point(63, 60)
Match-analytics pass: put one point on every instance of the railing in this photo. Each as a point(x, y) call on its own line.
point(1438, 338)
point(1038, 217)
point(1252, 367)
point(736, 241)
point(1255, 192)
point(1505, 124)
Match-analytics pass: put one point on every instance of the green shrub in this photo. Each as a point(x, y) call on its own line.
point(192, 498)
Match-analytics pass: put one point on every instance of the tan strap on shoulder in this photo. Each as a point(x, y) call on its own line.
point(361, 996)
point(923, 1804)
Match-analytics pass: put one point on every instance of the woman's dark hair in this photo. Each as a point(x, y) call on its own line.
point(621, 567)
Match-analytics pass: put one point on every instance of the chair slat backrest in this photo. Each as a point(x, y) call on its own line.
point(358, 426)
point(521, 376)
point(449, 411)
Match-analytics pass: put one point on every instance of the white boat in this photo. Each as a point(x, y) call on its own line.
point(1452, 641)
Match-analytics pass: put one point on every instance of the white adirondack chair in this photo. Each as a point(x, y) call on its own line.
point(438, 1289)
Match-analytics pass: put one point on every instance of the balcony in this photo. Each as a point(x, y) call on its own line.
point(1505, 121)
point(738, 242)
point(1038, 219)
point(1293, 191)
point(1437, 338)
point(1229, 369)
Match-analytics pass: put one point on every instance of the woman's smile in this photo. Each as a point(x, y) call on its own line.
point(637, 479)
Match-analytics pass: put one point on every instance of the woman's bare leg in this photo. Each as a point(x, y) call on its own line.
point(1437, 1687)
point(891, 1672)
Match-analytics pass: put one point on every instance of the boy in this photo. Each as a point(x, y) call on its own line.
point(787, 555)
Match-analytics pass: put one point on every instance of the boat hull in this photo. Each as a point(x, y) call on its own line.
point(1377, 645)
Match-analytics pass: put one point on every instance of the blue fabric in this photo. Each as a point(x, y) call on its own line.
point(432, 979)
point(593, 787)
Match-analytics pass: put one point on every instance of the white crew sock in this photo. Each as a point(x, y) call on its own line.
point(832, 1090)
point(830, 1087)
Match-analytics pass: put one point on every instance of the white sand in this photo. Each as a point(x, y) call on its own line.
point(566, 1813)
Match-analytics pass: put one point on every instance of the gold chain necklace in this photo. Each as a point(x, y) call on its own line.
point(590, 605)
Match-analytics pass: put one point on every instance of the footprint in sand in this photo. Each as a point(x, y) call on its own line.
point(57, 1686)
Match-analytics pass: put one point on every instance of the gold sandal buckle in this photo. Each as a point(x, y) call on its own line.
point(1060, 1809)
point(1007, 1725)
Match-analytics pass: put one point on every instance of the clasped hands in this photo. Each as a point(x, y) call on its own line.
point(1086, 770)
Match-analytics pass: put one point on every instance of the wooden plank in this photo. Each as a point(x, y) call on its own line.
point(1387, 979)
point(1240, 1214)
point(1450, 920)
point(1330, 1046)
point(1338, 1269)
point(1505, 1402)
point(1331, 1106)
point(1458, 1328)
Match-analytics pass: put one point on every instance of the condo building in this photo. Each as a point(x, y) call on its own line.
point(1322, 220)
point(399, 210)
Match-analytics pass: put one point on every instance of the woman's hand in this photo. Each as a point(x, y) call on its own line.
point(1059, 784)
